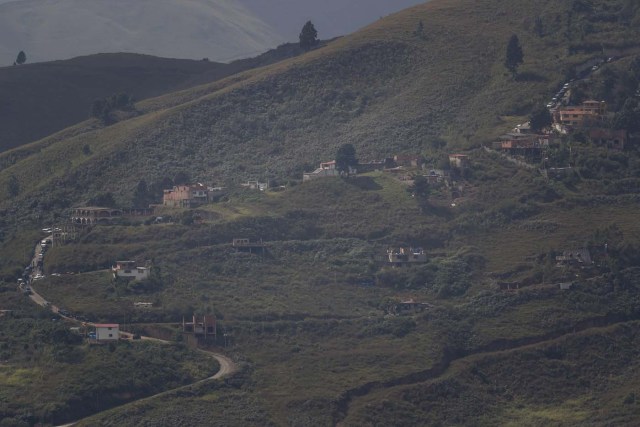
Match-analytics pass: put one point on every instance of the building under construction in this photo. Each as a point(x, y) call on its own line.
point(203, 327)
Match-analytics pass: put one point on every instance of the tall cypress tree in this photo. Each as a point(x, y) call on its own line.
point(514, 56)
point(22, 58)
point(308, 36)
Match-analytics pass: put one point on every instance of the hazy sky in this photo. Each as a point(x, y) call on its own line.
point(331, 17)
point(221, 30)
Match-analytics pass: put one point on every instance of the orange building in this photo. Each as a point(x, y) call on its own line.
point(589, 113)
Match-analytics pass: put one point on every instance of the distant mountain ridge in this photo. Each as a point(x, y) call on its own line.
point(221, 30)
point(60, 29)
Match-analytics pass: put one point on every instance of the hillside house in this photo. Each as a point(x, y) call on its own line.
point(509, 286)
point(107, 332)
point(143, 304)
point(435, 176)
point(409, 160)
point(524, 128)
point(95, 215)
point(204, 327)
point(130, 270)
point(589, 113)
point(521, 144)
point(611, 139)
point(186, 196)
point(577, 257)
point(326, 170)
point(246, 245)
point(405, 308)
point(375, 165)
point(406, 256)
point(254, 184)
point(459, 161)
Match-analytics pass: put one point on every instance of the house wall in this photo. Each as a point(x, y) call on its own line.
point(107, 333)
point(184, 196)
point(320, 173)
point(137, 273)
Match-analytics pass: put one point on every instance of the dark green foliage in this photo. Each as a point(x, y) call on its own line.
point(419, 31)
point(538, 26)
point(13, 186)
point(141, 196)
point(540, 119)
point(181, 178)
point(346, 158)
point(98, 108)
point(105, 200)
point(71, 379)
point(308, 36)
point(629, 117)
point(103, 107)
point(22, 58)
point(514, 55)
point(420, 190)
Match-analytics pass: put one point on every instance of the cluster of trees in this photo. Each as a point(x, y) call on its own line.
point(102, 108)
point(146, 194)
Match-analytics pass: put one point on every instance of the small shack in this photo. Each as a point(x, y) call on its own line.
point(576, 257)
point(408, 307)
point(131, 270)
point(107, 332)
point(246, 245)
point(406, 256)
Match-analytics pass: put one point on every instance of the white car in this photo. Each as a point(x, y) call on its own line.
point(38, 277)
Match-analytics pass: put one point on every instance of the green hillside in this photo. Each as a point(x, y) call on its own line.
point(311, 319)
point(42, 98)
point(383, 89)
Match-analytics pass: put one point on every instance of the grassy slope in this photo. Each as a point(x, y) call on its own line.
point(48, 375)
point(587, 379)
point(382, 88)
point(44, 98)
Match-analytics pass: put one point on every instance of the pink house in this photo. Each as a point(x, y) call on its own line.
point(186, 196)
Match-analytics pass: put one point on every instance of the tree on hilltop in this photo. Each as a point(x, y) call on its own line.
point(308, 36)
point(22, 58)
point(346, 158)
point(514, 56)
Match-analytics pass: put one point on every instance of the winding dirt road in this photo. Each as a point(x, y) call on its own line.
point(226, 369)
